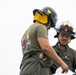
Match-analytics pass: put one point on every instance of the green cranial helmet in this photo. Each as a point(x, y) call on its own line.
point(65, 28)
point(52, 15)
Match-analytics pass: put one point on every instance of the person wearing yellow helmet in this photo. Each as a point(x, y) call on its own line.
point(37, 52)
point(65, 33)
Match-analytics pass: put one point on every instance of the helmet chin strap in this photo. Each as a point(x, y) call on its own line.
point(62, 44)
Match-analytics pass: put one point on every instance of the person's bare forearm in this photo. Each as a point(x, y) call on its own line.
point(52, 54)
point(49, 51)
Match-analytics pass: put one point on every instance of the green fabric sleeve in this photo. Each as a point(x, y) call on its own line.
point(42, 32)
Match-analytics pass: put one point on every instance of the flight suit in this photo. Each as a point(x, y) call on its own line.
point(68, 55)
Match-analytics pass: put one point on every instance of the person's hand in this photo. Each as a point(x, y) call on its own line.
point(65, 68)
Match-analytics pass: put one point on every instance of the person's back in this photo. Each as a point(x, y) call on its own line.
point(33, 38)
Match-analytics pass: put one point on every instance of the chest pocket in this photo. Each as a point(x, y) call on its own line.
point(66, 58)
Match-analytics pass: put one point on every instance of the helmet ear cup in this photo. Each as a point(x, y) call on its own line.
point(56, 36)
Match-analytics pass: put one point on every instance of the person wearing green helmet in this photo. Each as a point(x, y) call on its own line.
point(65, 33)
point(37, 52)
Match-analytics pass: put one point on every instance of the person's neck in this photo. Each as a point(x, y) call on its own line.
point(37, 22)
point(61, 47)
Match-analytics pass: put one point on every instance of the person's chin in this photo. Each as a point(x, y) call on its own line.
point(63, 43)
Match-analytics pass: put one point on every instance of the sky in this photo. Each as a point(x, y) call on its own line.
point(15, 17)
